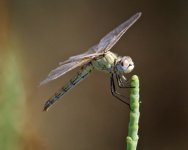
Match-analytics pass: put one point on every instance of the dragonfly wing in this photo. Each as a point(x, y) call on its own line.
point(108, 41)
point(90, 54)
point(105, 44)
point(61, 70)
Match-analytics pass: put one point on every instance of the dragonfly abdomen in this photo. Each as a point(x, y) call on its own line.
point(81, 75)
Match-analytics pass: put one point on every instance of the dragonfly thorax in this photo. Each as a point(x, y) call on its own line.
point(124, 64)
point(112, 63)
point(105, 62)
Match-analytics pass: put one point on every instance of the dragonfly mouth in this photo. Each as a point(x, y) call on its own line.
point(129, 68)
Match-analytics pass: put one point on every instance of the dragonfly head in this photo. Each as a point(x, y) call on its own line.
point(124, 64)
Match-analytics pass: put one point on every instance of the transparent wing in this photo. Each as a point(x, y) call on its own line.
point(105, 44)
point(90, 53)
point(61, 70)
point(108, 41)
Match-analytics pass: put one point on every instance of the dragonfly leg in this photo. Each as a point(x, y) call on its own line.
point(115, 93)
point(123, 82)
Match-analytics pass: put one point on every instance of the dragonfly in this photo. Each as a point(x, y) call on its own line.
point(98, 57)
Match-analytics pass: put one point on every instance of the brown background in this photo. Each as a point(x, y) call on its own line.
point(88, 117)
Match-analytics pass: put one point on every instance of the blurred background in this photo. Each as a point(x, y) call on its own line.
point(36, 35)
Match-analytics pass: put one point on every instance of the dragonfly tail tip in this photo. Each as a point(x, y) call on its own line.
point(45, 109)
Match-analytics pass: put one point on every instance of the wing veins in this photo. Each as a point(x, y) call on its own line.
point(63, 69)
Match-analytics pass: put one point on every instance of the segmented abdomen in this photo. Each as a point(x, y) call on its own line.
point(82, 74)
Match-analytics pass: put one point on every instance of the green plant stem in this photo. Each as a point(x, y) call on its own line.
point(132, 138)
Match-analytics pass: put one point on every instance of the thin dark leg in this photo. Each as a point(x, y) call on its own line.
point(115, 93)
point(121, 84)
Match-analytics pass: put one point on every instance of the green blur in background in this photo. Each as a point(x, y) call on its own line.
point(12, 103)
point(36, 35)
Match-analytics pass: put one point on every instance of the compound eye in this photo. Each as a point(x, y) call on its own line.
point(125, 63)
